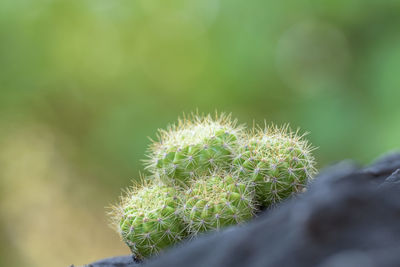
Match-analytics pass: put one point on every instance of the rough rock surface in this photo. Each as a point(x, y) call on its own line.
point(121, 261)
point(349, 216)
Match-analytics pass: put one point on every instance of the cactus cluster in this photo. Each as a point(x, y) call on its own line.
point(206, 173)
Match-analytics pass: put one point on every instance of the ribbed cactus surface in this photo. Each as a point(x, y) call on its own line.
point(194, 147)
point(217, 201)
point(149, 219)
point(277, 160)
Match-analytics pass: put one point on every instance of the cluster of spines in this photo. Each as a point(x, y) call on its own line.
point(208, 173)
point(216, 201)
point(148, 219)
point(193, 148)
point(277, 160)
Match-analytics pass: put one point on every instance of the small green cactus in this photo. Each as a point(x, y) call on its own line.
point(194, 147)
point(277, 160)
point(148, 219)
point(208, 173)
point(216, 201)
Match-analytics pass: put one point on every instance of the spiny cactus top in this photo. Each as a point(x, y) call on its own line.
point(195, 146)
point(148, 219)
point(207, 173)
point(216, 201)
point(277, 160)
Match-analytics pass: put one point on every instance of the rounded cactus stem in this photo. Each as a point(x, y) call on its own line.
point(194, 147)
point(277, 160)
point(148, 219)
point(217, 201)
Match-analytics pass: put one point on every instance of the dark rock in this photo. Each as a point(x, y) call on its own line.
point(384, 166)
point(122, 261)
point(393, 179)
point(349, 216)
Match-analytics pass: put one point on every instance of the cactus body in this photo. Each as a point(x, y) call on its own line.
point(195, 147)
point(149, 220)
point(278, 161)
point(206, 174)
point(217, 201)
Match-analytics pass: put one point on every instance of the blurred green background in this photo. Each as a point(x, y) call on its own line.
point(84, 83)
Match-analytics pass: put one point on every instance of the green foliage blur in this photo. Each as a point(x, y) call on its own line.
point(84, 83)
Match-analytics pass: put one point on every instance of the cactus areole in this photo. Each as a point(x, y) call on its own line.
point(206, 173)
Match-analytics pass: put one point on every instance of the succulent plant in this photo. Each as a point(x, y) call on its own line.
point(278, 160)
point(216, 201)
point(148, 220)
point(208, 173)
point(196, 146)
